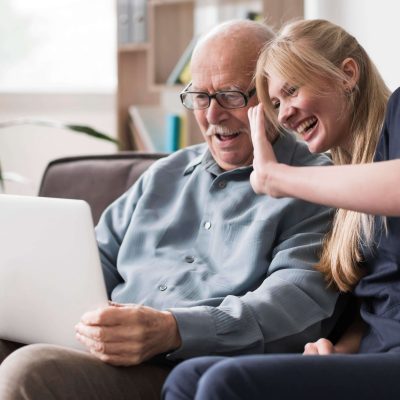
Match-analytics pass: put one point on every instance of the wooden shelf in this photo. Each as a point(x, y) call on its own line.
point(148, 127)
point(278, 12)
point(133, 88)
point(132, 47)
point(171, 30)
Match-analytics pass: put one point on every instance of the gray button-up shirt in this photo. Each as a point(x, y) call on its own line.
point(235, 268)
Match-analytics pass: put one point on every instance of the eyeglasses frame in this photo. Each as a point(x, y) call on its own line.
point(247, 96)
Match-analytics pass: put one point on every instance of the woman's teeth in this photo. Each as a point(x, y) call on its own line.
point(304, 126)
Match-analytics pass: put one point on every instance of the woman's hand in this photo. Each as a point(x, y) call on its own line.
point(320, 347)
point(264, 163)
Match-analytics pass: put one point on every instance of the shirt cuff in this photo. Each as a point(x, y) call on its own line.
point(197, 329)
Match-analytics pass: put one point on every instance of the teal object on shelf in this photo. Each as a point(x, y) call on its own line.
point(173, 126)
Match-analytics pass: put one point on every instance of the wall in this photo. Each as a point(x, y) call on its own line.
point(373, 22)
point(26, 150)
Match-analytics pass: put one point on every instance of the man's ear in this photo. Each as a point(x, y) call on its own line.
point(352, 72)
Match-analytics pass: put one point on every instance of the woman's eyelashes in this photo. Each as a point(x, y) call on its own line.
point(291, 90)
point(288, 91)
point(275, 105)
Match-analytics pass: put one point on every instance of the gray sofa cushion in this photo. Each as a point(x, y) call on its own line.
point(98, 179)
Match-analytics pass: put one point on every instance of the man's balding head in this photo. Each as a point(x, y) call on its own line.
point(232, 42)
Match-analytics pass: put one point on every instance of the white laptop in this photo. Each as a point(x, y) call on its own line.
point(50, 271)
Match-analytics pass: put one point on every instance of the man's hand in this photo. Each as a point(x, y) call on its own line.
point(264, 157)
point(128, 334)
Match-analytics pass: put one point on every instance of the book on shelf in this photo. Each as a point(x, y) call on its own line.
point(123, 21)
point(183, 135)
point(131, 21)
point(255, 16)
point(173, 131)
point(181, 73)
point(176, 132)
point(139, 20)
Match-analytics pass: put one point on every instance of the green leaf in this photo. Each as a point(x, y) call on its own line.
point(91, 132)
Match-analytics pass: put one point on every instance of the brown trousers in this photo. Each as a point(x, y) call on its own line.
point(47, 372)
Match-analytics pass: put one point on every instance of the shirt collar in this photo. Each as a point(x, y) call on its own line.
point(194, 163)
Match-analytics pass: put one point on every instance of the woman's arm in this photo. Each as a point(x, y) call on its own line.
point(370, 188)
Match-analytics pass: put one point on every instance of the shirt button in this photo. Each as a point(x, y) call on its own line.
point(222, 184)
point(207, 225)
point(161, 288)
point(189, 259)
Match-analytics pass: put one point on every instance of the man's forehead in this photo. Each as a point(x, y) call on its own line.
point(222, 76)
point(222, 63)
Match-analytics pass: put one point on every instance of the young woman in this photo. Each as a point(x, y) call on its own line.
point(315, 79)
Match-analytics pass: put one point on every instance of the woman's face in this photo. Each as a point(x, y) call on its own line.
point(322, 120)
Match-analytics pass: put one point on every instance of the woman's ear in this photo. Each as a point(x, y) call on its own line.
point(352, 72)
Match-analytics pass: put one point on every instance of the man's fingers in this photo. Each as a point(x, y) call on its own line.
point(100, 316)
point(114, 353)
point(102, 333)
point(106, 316)
point(106, 347)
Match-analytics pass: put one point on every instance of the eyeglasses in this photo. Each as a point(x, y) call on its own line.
point(226, 98)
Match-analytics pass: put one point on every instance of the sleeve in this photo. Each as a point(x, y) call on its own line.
point(282, 314)
point(392, 125)
point(111, 230)
point(388, 147)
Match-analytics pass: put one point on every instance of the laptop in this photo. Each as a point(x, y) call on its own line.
point(50, 272)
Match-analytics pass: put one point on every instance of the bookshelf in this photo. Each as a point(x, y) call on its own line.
point(143, 97)
point(169, 22)
point(145, 119)
point(133, 88)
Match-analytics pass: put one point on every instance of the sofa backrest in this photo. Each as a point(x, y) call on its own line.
point(98, 179)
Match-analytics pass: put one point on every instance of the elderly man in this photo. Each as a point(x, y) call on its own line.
point(195, 262)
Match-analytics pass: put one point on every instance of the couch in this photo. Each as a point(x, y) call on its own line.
point(98, 179)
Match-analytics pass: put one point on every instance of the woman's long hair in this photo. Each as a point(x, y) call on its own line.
point(311, 52)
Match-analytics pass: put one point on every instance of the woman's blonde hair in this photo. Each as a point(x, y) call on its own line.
point(311, 53)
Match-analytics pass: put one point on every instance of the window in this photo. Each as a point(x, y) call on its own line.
point(57, 46)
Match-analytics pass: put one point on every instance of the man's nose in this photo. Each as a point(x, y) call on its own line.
point(216, 113)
